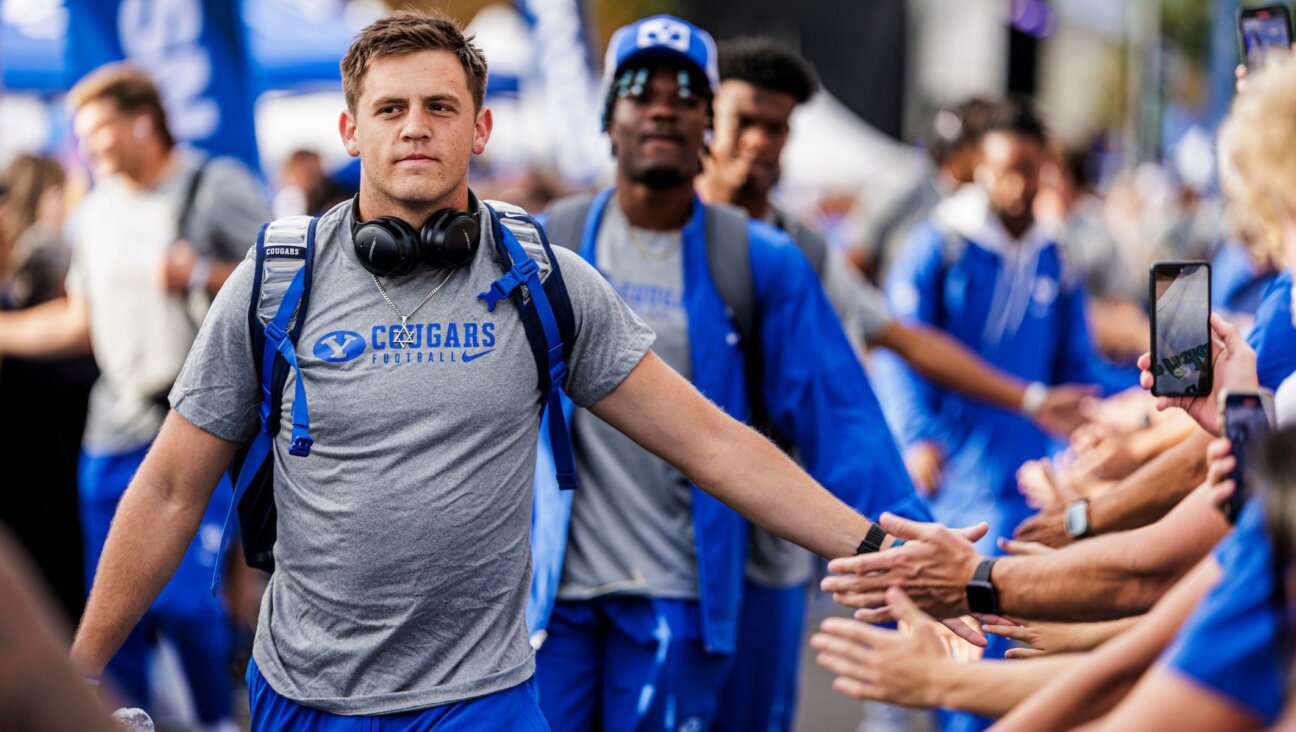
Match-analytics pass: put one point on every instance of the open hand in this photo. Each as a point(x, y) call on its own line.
point(933, 566)
point(893, 666)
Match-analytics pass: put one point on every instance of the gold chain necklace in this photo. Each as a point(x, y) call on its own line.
point(649, 252)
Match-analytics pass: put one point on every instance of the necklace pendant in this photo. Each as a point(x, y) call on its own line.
point(402, 337)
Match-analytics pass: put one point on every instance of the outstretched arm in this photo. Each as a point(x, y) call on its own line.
point(946, 362)
point(660, 410)
point(155, 521)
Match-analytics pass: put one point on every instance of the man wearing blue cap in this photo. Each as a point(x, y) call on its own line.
point(638, 576)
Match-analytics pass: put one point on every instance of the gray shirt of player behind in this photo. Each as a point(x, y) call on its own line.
point(403, 553)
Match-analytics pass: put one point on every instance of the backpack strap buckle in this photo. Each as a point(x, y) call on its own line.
point(518, 274)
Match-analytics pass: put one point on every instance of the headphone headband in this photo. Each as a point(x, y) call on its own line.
point(388, 246)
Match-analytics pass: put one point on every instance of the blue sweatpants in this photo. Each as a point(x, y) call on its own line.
point(511, 710)
point(185, 612)
point(624, 664)
point(761, 692)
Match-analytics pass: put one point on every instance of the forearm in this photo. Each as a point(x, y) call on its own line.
point(150, 531)
point(993, 688)
point(1102, 678)
point(945, 362)
point(50, 330)
point(1111, 576)
point(1152, 490)
point(755, 478)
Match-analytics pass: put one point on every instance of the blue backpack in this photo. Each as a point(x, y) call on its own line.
point(285, 255)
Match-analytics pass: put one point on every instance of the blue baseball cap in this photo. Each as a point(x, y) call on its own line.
point(661, 37)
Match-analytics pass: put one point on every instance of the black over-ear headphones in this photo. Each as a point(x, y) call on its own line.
point(389, 247)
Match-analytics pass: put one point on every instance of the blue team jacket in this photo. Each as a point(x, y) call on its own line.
point(816, 392)
point(1022, 311)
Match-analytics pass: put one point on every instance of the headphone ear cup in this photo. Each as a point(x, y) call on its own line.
point(450, 239)
point(386, 246)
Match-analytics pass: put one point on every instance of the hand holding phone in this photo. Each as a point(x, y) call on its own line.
point(1245, 425)
point(1261, 30)
point(1234, 368)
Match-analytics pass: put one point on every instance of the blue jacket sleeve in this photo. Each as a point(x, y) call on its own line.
point(913, 292)
point(815, 389)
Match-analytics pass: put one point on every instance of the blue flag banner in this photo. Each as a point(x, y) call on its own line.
point(194, 49)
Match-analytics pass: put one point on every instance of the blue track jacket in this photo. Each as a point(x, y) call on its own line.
point(1017, 306)
point(816, 392)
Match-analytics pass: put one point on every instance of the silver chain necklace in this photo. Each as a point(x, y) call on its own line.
point(405, 336)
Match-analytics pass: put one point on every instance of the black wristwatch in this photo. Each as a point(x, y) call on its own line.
point(981, 595)
point(872, 540)
point(1075, 520)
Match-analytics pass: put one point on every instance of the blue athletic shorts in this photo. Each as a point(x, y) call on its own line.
point(511, 710)
point(761, 691)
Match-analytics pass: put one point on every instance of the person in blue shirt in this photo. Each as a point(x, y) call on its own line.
point(982, 270)
point(638, 580)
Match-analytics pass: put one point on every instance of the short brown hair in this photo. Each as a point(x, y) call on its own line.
point(411, 32)
point(129, 88)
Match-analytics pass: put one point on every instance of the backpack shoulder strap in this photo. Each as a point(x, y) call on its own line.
point(285, 255)
point(534, 282)
point(811, 243)
point(729, 261)
point(565, 220)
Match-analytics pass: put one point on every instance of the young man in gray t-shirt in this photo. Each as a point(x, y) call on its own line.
point(402, 555)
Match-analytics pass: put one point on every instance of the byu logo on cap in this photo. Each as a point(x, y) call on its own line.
point(663, 32)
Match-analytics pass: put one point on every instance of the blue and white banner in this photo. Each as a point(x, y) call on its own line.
point(194, 49)
point(570, 86)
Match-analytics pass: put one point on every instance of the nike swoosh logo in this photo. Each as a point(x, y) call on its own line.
point(466, 357)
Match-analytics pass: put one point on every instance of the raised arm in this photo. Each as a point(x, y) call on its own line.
point(660, 410)
point(155, 521)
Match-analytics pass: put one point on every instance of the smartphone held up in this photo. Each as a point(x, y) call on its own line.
point(1263, 29)
point(1182, 363)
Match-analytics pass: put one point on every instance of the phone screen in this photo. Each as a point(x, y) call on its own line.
point(1246, 425)
point(1181, 347)
point(1262, 29)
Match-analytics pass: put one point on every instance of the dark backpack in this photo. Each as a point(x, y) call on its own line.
point(285, 253)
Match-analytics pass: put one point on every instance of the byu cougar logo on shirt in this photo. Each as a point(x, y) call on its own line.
point(664, 32)
point(339, 346)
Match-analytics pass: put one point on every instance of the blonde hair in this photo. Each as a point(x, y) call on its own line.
point(1257, 153)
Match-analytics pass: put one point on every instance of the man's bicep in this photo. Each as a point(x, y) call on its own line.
point(652, 404)
point(187, 459)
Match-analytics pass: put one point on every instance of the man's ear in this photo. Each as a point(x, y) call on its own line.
point(349, 134)
point(482, 130)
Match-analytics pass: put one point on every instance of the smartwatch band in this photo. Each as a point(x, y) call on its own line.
point(872, 541)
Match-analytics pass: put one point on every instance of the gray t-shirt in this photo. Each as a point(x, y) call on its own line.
point(632, 522)
point(140, 333)
point(403, 552)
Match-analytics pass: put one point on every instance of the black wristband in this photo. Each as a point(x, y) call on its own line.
point(872, 541)
point(982, 597)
